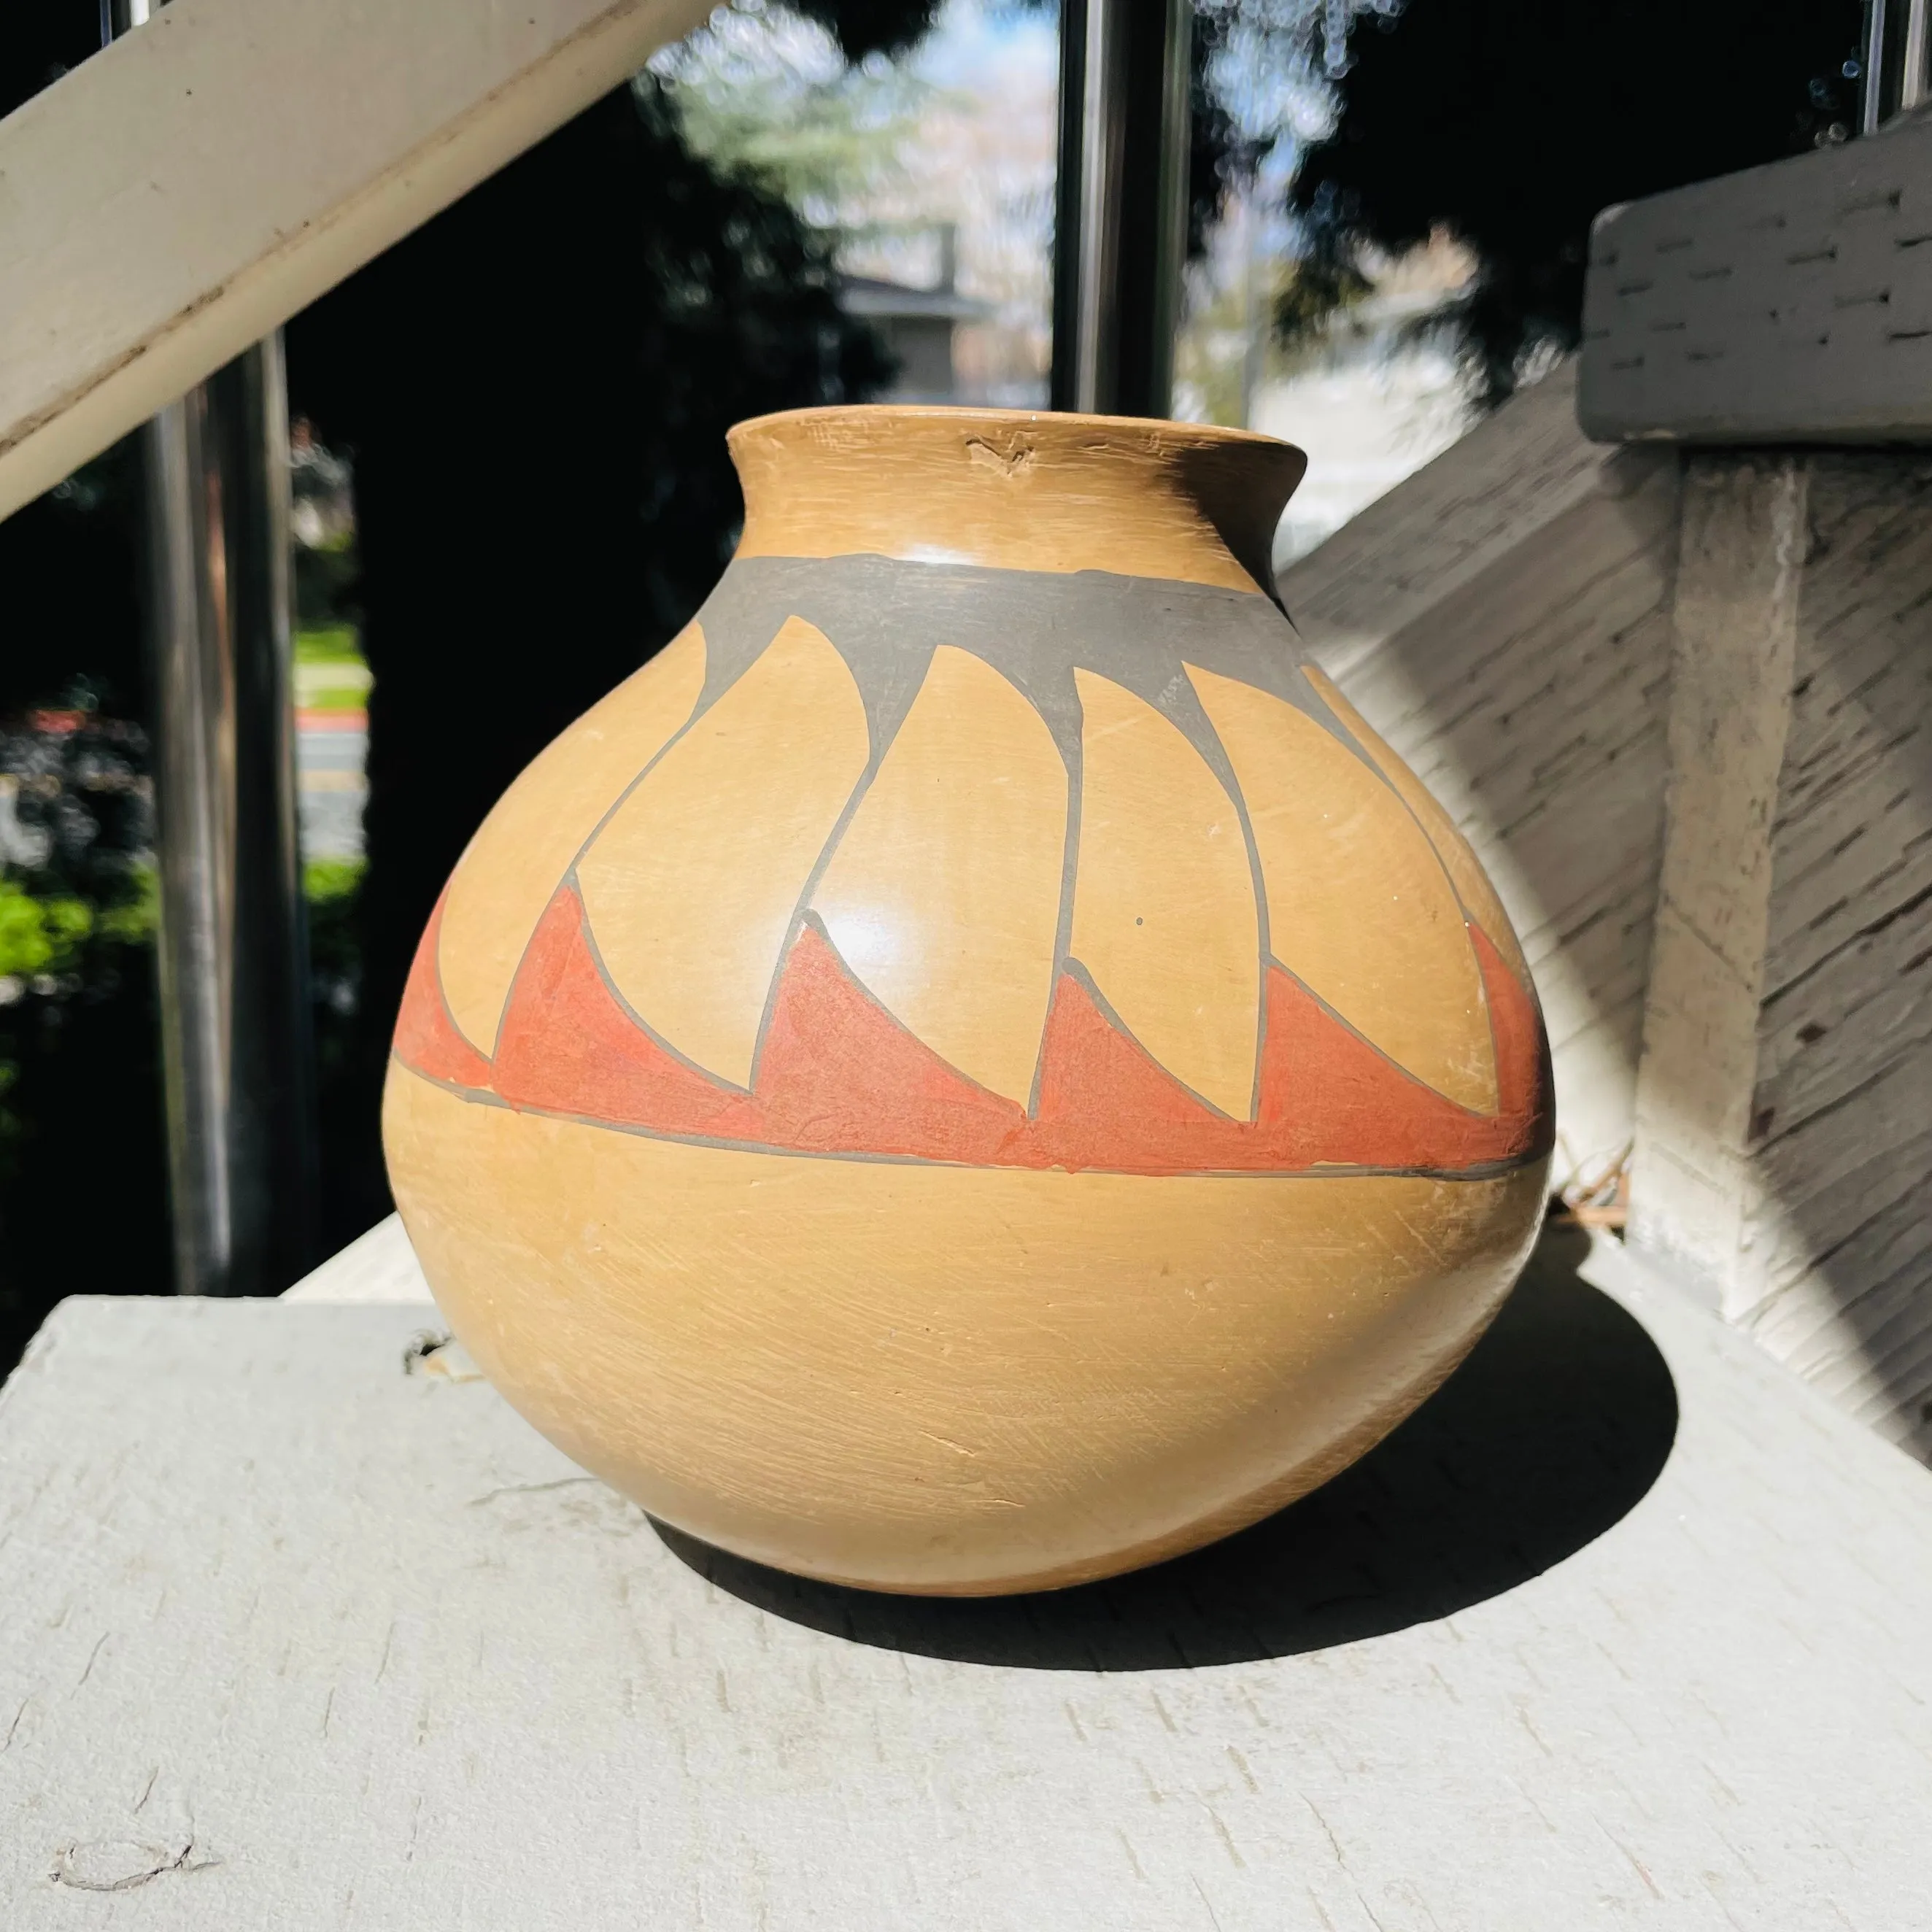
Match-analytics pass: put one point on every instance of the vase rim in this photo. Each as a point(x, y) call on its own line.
point(1200, 435)
point(1039, 490)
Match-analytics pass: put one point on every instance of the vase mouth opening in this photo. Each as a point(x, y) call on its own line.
point(1132, 430)
point(1018, 490)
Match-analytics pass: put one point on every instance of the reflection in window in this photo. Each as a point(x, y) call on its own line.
point(934, 172)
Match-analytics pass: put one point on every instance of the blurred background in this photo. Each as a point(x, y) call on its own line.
point(508, 463)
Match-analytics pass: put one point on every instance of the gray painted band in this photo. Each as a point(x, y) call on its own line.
point(885, 617)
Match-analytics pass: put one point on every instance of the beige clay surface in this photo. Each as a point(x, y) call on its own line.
point(937, 1378)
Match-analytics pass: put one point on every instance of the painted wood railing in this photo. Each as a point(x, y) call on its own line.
point(197, 183)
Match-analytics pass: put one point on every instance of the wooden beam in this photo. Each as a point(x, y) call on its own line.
point(1784, 1141)
point(1740, 576)
point(197, 183)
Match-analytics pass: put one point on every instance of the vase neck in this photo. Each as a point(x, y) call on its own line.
point(1015, 489)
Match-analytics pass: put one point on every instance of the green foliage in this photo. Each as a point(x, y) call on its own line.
point(324, 881)
point(131, 921)
point(39, 936)
point(1315, 290)
point(764, 95)
point(79, 1113)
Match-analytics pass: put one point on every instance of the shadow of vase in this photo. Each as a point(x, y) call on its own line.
point(1552, 1431)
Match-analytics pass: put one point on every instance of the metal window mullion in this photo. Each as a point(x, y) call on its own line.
point(1121, 222)
point(232, 943)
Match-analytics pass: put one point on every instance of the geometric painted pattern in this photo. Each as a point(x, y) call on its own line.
point(866, 891)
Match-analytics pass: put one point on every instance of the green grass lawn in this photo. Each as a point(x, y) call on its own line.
point(330, 673)
point(334, 644)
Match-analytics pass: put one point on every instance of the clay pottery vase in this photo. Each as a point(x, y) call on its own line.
point(975, 1069)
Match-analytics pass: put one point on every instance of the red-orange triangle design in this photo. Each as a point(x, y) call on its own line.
point(837, 1074)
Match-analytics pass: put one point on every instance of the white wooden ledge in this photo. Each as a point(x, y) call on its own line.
point(379, 1266)
point(192, 186)
point(294, 1634)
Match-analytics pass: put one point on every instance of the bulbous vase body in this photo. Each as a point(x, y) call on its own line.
point(975, 1069)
